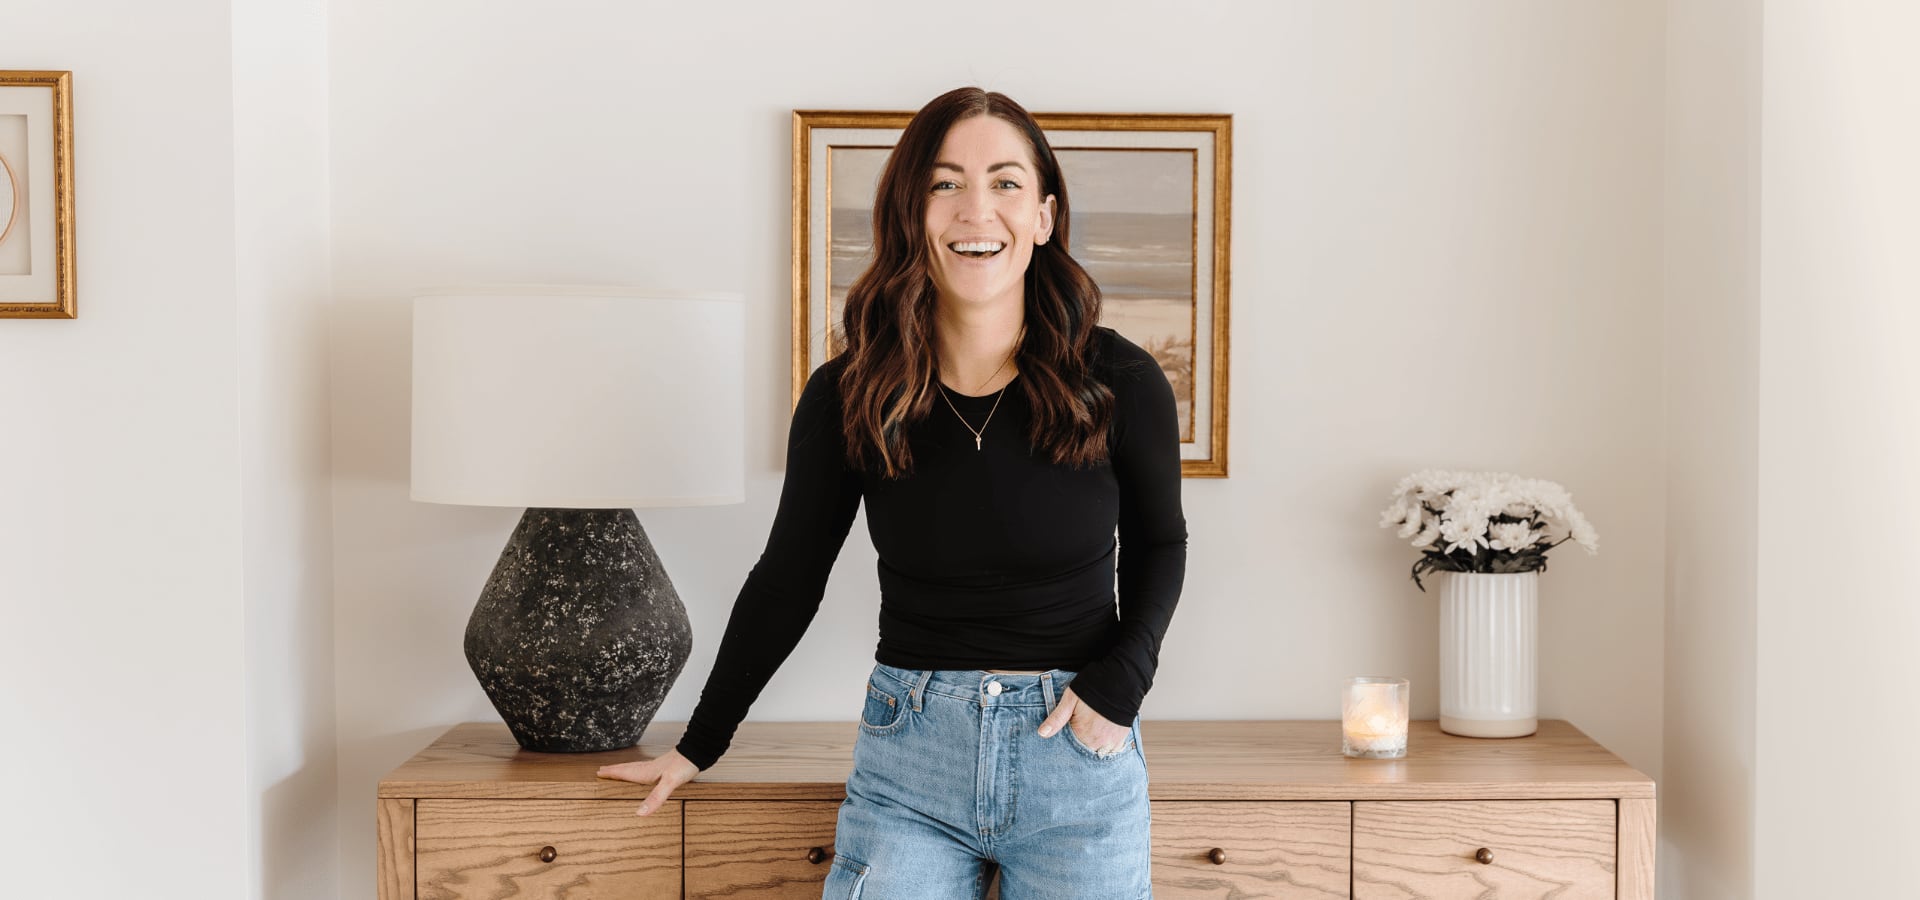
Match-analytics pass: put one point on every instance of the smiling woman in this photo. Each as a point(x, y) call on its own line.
point(998, 439)
point(972, 168)
point(983, 210)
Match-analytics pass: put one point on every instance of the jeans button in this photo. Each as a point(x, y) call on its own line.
point(993, 688)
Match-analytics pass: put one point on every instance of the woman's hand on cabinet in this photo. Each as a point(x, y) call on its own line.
point(666, 773)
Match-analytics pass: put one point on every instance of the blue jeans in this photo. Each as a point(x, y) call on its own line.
point(950, 772)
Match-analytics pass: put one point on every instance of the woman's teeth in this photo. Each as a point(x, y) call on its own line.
point(977, 249)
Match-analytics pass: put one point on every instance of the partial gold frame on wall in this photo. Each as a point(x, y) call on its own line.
point(60, 303)
point(1220, 129)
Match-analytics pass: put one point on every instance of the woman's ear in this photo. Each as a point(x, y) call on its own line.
point(1045, 232)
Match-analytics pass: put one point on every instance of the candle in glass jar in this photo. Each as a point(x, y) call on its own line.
point(1373, 718)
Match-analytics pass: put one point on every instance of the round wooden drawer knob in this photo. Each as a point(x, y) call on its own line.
point(548, 854)
point(1218, 856)
point(819, 855)
point(1484, 855)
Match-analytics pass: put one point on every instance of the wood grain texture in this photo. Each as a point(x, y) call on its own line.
point(1300, 760)
point(768, 761)
point(1211, 760)
point(757, 850)
point(393, 824)
point(1282, 850)
point(1637, 827)
point(1562, 849)
point(491, 850)
point(1271, 795)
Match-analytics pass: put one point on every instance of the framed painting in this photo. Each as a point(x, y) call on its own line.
point(1151, 221)
point(36, 195)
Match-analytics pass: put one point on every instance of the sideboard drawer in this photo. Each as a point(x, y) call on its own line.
point(758, 849)
point(1278, 849)
point(529, 849)
point(1431, 850)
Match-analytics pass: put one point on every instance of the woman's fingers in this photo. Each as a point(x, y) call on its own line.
point(1101, 740)
point(1099, 733)
point(1061, 715)
point(665, 773)
point(642, 772)
point(661, 792)
point(676, 770)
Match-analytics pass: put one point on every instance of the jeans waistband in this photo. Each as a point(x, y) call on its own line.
point(976, 685)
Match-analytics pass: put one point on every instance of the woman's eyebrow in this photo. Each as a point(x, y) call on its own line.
point(990, 169)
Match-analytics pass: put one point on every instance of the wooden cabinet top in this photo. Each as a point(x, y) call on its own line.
point(1206, 760)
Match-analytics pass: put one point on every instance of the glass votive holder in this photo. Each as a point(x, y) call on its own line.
point(1373, 717)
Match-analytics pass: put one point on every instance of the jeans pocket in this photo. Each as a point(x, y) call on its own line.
point(1085, 750)
point(886, 706)
point(845, 878)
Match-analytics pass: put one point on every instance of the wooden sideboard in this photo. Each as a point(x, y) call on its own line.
point(1241, 809)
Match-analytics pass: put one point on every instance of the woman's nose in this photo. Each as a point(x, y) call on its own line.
point(976, 207)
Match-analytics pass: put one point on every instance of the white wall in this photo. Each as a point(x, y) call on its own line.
point(122, 714)
point(280, 207)
point(1791, 320)
point(1839, 432)
point(1713, 352)
point(1446, 253)
point(164, 563)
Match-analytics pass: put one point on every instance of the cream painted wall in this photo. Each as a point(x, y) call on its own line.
point(1794, 427)
point(122, 708)
point(1839, 429)
point(1713, 363)
point(283, 271)
point(164, 545)
point(1447, 246)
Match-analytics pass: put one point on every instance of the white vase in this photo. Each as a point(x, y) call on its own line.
point(1489, 627)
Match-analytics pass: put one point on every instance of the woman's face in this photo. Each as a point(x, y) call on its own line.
point(985, 213)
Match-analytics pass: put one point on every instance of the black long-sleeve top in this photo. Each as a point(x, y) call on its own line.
point(990, 558)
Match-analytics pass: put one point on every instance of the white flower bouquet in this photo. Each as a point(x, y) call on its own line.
point(1484, 521)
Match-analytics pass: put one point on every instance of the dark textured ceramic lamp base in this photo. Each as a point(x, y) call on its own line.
point(578, 634)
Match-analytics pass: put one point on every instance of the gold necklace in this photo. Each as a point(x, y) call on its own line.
point(997, 395)
point(977, 432)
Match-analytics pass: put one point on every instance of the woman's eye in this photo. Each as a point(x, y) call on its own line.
point(1009, 183)
point(942, 185)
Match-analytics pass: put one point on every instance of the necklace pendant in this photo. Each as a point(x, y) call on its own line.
point(976, 442)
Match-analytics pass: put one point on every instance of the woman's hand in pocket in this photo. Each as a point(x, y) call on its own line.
point(666, 773)
point(1093, 729)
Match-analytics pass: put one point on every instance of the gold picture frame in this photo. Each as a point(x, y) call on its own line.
point(36, 195)
point(1152, 216)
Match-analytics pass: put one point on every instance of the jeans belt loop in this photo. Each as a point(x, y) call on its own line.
point(1046, 690)
point(920, 690)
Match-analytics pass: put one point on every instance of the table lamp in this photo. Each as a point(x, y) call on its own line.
point(578, 404)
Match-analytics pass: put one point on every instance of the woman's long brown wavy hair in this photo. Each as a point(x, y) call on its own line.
point(891, 368)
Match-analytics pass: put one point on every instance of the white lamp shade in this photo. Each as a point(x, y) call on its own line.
point(578, 398)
